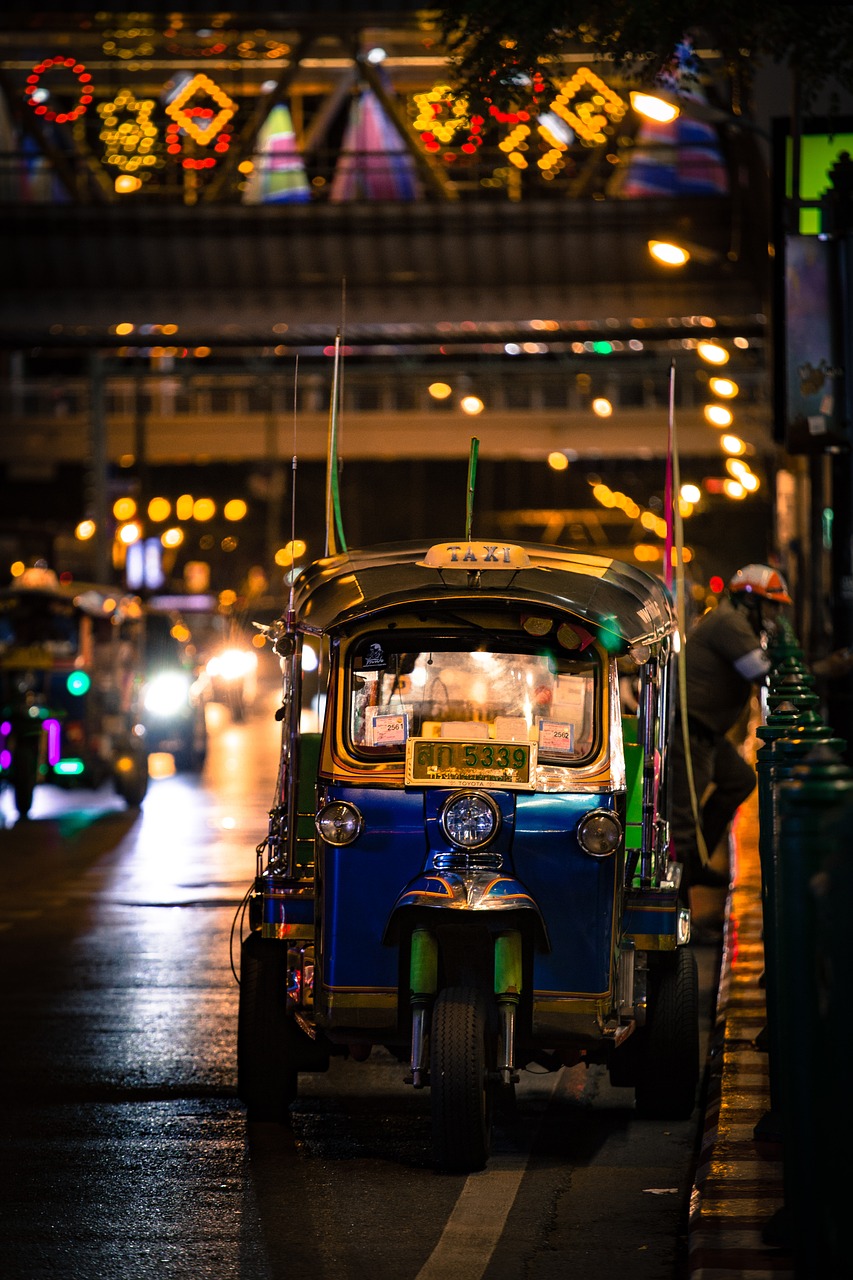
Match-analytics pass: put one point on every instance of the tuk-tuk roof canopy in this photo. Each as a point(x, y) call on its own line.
point(625, 606)
point(91, 598)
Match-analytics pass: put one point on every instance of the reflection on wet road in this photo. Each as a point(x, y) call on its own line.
point(125, 1151)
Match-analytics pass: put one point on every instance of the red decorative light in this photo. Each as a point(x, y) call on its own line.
point(174, 146)
point(84, 79)
point(509, 117)
point(441, 115)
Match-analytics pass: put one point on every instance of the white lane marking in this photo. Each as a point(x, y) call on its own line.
point(479, 1216)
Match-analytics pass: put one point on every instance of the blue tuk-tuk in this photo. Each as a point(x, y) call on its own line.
point(469, 863)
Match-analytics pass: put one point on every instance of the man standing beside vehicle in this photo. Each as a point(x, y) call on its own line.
point(725, 657)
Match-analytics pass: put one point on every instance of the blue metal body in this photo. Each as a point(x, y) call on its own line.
point(389, 869)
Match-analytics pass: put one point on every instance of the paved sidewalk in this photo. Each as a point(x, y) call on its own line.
point(738, 1184)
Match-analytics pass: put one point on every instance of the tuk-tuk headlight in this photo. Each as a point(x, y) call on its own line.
point(599, 833)
point(470, 819)
point(167, 693)
point(339, 822)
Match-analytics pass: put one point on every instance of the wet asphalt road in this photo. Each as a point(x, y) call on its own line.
point(126, 1154)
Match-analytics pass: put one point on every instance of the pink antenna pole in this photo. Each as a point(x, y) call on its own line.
point(668, 486)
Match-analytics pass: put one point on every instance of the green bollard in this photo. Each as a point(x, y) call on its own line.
point(786, 667)
point(810, 801)
point(788, 752)
point(798, 690)
point(797, 720)
point(803, 699)
point(784, 644)
point(832, 889)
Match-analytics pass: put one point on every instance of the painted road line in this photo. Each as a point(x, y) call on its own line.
point(479, 1216)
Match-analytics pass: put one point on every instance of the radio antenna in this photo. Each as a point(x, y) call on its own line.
point(472, 480)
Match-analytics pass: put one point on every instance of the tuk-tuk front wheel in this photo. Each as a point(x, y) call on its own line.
point(131, 780)
point(462, 1051)
point(25, 763)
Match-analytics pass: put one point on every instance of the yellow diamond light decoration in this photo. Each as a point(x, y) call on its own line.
point(201, 84)
point(588, 115)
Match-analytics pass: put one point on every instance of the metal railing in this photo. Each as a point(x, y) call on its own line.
point(531, 385)
point(335, 176)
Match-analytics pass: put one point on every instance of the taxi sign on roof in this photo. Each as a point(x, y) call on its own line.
point(38, 578)
point(475, 555)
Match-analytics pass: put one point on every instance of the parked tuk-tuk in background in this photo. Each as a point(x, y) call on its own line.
point(70, 688)
point(469, 863)
point(224, 649)
point(176, 691)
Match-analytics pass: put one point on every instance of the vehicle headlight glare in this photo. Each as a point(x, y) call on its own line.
point(339, 822)
point(470, 820)
point(233, 664)
point(599, 833)
point(167, 693)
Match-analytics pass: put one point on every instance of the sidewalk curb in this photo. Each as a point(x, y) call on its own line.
point(738, 1183)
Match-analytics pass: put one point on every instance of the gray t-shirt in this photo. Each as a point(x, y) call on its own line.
point(716, 691)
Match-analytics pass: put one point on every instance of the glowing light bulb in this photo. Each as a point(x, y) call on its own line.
point(718, 415)
point(712, 352)
point(654, 108)
point(671, 255)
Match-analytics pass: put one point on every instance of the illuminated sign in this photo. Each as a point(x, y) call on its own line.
point(475, 556)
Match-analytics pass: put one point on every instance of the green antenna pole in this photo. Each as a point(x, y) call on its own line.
point(335, 541)
point(472, 480)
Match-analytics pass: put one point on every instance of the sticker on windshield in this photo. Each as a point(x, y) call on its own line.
point(555, 736)
point(375, 656)
point(387, 730)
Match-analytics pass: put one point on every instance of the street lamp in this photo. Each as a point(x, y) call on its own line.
point(724, 388)
point(718, 415)
point(655, 106)
point(669, 254)
point(712, 352)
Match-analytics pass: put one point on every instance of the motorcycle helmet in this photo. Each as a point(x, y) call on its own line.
point(761, 581)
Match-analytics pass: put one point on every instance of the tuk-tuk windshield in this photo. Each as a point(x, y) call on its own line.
point(37, 621)
point(488, 692)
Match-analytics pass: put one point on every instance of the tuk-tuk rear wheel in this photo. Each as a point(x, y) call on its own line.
point(668, 1066)
point(461, 1057)
point(266, 1071)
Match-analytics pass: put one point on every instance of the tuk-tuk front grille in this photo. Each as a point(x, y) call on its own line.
point(467, 861)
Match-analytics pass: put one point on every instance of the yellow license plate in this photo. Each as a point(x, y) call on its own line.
point(434, 762)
